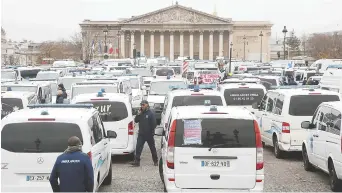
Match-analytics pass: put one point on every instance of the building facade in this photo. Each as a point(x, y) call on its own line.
point(177, 31)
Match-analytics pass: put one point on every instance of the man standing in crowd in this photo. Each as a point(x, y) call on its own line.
point(61, 94)
point(73, 169)
point(147, 125)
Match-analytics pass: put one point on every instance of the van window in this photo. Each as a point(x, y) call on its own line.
point(196, 100)
point(42, 137)
point(231, 133)
point(270, 104)
point(279, 105)
point(110, 111)
point(243, 96)
point(164, 72)
point(97, 133)
point(335, 119)
point(305, 105)
point(10, 105)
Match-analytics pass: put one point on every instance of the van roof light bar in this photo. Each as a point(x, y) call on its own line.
point(296, 87)
point(76, 106)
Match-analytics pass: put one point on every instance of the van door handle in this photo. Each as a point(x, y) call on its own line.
point(315, 135)
point(105, 143)
point(215, 176)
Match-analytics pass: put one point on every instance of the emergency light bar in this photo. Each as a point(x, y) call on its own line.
point(84, 106)
point(296, 87)
point(130, 75)
point(203, 86)
point(175, 87)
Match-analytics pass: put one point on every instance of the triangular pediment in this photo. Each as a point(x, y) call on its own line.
point(177, 14)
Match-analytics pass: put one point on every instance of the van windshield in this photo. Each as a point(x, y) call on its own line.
point(305, 105)
point(110, 111)
point(42, 137)
point(10, 105)
point(207, 132)
point(196, 100)
point(243, 96)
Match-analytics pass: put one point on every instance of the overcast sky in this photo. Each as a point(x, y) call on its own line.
point(41, 20)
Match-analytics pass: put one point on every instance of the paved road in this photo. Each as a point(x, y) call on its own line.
point(286, 175)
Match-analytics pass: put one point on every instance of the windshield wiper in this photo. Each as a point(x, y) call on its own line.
point(223, 144)
point(32, 150)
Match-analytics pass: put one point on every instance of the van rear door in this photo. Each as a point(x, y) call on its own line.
point(230, 163)
point(114, 115)
point(29, 151)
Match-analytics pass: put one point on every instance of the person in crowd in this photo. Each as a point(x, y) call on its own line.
point(304, 81)
point(147, 125)
point(61, 94)
point(73, 170)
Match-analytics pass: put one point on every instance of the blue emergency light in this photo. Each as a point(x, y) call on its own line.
point(100, 94)
point(203, 86)
point(168, 77)
point(296, 87)
point(174, 87)
point(9, 89)
point(84, 106)
point(196, 88)
point(131, 74)
point(103, 90)
point(44, 112)
point(213, 108)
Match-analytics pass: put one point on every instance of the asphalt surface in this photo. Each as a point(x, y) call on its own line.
point(285, 175)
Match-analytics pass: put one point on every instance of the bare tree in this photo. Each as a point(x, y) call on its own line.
point(325, 45)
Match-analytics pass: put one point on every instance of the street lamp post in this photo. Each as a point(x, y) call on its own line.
point(128, 38)
point(230, 56)
point(284, 32)
point(261, 35)
point(244, 48)
point(134, 53)
point(105, 31)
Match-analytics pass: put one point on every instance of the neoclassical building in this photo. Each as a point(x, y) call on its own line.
point(178, 31)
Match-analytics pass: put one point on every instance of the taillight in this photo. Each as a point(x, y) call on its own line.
point(90, 155)
point(130, 128)
point(285, 128)
point(259, 149)
point(99, 99)
point(171, 146)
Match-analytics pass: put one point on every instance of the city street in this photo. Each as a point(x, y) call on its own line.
point(286, 175)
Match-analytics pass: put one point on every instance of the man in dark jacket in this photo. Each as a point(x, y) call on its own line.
point(73, 169)
point(147, 125)
point(61, 94)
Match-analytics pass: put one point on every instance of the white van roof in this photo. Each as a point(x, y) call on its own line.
point(110, 96)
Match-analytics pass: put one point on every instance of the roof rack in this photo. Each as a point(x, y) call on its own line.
point(76, 106)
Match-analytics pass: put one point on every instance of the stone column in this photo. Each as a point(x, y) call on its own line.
point(221, 44)
point(201, 46)
point(84, 49)
point(172, 52)
point(152, 44)
point(191, 44)
point(142, 43)
point(181, 44)
point(211, 45)
point(231, 40)
point(161, 43)
point(132, 43)
point(122, 42)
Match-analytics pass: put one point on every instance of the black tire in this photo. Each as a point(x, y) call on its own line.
point(161, 170)
point(335, 183)
point(108, 179)
point(263, 144)
point(131, 156)
point(277, 152)
point(307, 165)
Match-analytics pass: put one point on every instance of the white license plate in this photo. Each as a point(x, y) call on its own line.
point(215, 163)
point(38, 178)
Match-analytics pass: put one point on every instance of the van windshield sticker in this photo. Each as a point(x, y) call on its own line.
point(103, 109)
point(244, 96)
point(192, 132)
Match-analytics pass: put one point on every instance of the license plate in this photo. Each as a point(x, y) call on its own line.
point(215, 164)
point(38, 178)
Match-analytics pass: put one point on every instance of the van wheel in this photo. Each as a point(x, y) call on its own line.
point(307, 165)
point(335, 183)
point(131, 156)
point(161, 174)
point(277, 152)
point(108, 179)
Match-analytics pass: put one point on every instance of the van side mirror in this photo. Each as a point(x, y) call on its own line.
point(111, 134)
point(255, 105)
point(159, 131)
point(307, 125)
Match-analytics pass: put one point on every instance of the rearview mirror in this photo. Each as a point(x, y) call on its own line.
point(159, 131)
point(306, 125)
point(255, 105)
point(111, 134)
